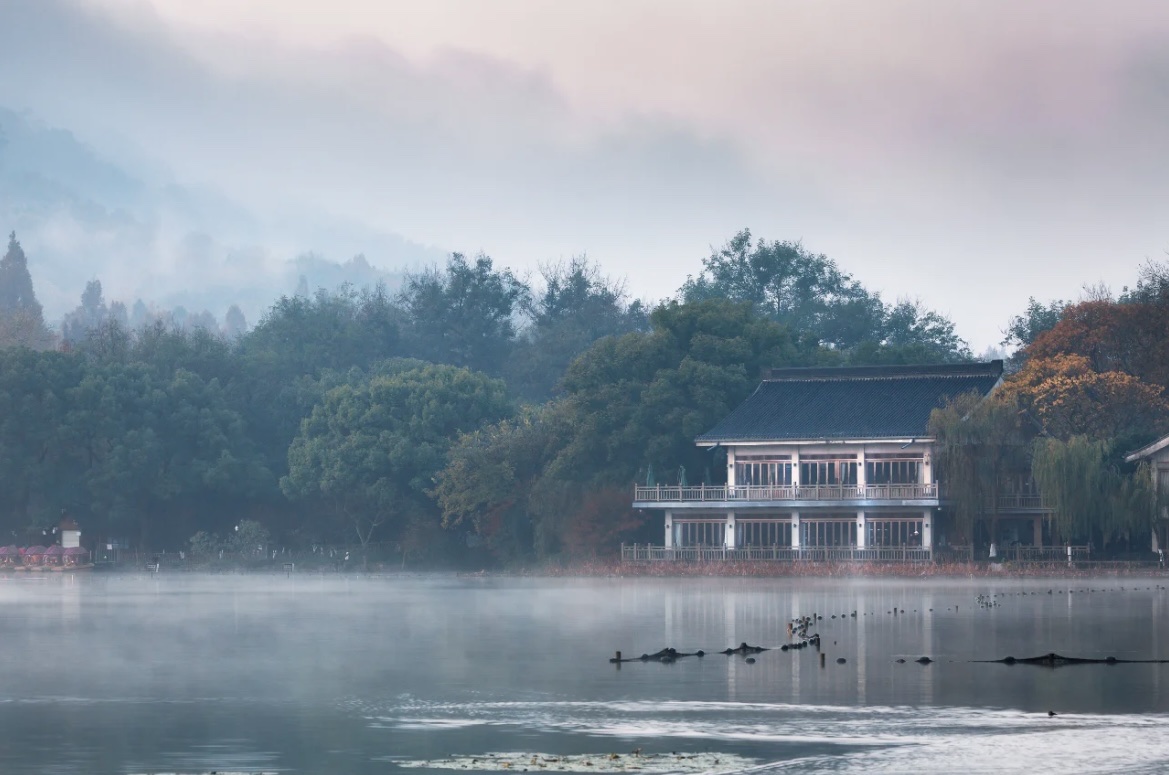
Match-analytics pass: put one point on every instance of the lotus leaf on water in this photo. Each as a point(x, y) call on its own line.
point(604, 762)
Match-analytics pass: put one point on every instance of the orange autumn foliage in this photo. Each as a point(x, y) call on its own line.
point(1068, 397)
point(1132, 338)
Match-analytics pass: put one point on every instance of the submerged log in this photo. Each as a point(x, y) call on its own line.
point(1058, 660)
point(665, 655)
point(745, 649)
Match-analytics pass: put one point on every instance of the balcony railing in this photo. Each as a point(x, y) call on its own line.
point(811, 492)
point(644, 553)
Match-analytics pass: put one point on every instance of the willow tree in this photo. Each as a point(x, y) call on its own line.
point(981, 448)
point(1089, 495)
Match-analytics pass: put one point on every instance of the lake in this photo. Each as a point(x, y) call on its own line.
point(311, 674)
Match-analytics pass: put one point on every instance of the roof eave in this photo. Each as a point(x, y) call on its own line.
point(1147, 450)
point(726, 442)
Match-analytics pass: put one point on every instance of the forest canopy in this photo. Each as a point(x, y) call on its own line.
point(480, 413)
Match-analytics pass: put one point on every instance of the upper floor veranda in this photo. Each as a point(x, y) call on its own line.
point(831, 437)
point(893, 473)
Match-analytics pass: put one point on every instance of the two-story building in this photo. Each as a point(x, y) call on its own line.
point(832, 462)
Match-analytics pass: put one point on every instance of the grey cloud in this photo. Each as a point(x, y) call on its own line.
point(970, 154)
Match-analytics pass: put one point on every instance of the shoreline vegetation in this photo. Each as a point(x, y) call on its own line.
point(478, 418)
point(588, 569)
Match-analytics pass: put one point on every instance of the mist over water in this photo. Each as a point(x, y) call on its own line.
point(178, 673)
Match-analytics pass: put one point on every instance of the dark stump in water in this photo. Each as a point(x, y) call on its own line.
point(745, 649)
point(1058, 660)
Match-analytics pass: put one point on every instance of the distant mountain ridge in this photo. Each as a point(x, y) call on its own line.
point(81, 216)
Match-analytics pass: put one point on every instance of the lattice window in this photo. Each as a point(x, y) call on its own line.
point(763, 532)
point(828, 469)
point(763, 471)
point(893, 469)
point(828, 532)
point(894, 530)
point(699, 532)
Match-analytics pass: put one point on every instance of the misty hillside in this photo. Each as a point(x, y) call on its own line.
point(81, 215)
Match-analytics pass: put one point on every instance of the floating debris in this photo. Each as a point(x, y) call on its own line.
point(666, 655)
point(745, 649)
point(1058, 660)
point(610, 762)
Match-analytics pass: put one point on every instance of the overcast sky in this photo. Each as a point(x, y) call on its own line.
point(967, 153)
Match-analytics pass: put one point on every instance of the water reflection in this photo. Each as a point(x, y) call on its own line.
point(311, 674)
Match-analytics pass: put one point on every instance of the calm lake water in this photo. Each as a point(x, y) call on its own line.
point(189, 674)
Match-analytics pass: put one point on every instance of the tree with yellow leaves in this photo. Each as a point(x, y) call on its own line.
point(1067, 397)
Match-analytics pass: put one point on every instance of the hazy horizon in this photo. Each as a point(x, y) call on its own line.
point(970, 155)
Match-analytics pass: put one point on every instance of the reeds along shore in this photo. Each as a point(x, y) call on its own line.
point(843, 569)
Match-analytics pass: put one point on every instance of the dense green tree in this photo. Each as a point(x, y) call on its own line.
point(464, 314)
point(821, 304)
point(297, 341)
point(576, 306)
point(35, 465)
point(1038, 318)
point(784, 281)
point(158, 455)
point(369, 452)
point(910, 326)
point(628, 402)
point(490, 475)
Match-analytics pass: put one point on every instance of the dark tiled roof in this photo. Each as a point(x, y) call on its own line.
point(863, 402)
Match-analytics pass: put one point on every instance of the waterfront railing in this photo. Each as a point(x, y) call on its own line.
point(648, 553)
point(805, 492)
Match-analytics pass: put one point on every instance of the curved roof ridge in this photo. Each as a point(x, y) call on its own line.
point(850, 402)
point(970, 369)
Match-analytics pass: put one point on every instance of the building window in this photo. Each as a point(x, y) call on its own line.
point(763, 470)
point(828, 470)
point(893, 469)
point(763, 532)
point(828, 531)
point(894, 530)
point(699, 532)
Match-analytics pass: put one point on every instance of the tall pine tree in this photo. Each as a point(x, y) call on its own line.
point(22, 322)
